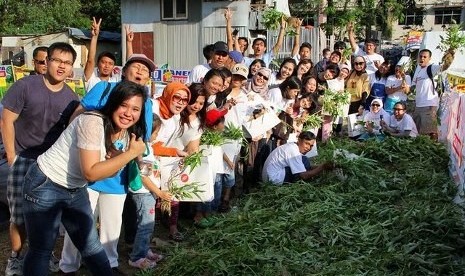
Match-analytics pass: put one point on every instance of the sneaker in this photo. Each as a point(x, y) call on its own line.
point(143, 263)
point(54, 264)
point(14, 267)
point(154, 257)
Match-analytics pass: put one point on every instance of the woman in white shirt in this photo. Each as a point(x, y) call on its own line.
point(85, 152)
point(397, 88)
point(287, 69)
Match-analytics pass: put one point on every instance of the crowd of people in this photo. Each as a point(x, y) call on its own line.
point(69, 157)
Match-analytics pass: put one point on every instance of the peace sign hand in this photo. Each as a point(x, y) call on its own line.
point(95, 28)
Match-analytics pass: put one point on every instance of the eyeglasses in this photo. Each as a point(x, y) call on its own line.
point(375, 105)
point(359, 63)
point(398, 109)
point(180, 100)
point(41, 62)
point(60, 61)
point(263, 76)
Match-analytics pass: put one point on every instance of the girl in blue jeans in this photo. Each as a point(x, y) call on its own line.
point(55, 187)
point(144, 200)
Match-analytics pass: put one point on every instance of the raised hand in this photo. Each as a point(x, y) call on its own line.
point(129, 33)
point(95, 28)
point(228, 14)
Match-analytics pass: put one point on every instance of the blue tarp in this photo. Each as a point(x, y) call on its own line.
point(103, 35)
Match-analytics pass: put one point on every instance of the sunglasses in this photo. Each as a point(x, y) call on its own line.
point(41, 62)
point(359, 63)
point(223, 54)
point(180, 100)
point(263, 76)
point(375, 105)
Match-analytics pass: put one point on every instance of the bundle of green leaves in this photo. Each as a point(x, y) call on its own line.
point(392, 215)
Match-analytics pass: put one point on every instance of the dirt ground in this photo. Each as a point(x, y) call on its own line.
point(160, 243)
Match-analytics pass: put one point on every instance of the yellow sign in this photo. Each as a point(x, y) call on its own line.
point(2, 82)
point(456, 82)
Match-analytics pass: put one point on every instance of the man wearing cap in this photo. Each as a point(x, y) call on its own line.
point(110, 191)
point(373, 60)
point(288, 163)
point(219, 59)
point(105, 61)
point(235, 57)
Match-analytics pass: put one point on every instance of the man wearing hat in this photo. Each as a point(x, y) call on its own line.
point(219, 59)
point(235, 57)
point(111, 190)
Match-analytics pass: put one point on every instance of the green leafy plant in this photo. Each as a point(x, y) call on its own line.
point(232, 132)
point(312, 121)
point(212, 138)
point(333, 102)
point(271, 18)
point(453, 40)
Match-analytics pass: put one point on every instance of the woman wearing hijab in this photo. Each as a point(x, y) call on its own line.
point(173, 100)
point(259, 83)
point(374, 121)
point(358, 86)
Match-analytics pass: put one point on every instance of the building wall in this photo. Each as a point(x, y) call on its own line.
point(429, 16)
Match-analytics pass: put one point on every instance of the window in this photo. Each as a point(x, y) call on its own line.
point(412, 17)
point(174, 9)
point(446, 15)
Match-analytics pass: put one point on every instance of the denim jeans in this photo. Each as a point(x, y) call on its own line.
point(46, 204)
point(145, 210)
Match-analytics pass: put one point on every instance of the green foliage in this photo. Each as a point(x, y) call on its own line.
point(333, 102)
point(453, 40)
point(271, 18)
point(47, 16)
point(212, 138)
point(392, 215)
point(232, 132)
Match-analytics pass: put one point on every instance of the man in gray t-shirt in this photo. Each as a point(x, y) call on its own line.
point(36, 111)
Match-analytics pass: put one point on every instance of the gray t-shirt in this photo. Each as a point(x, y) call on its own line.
point(43, 114)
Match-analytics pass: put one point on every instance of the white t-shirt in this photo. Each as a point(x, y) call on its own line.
point(405, 124)
point(94, 79)
point(237, 114)
point(266, 57)
point(369, 59)
point(168, 126)
point(61, 162)
point(277, 101)
point(425, 93)
point(198, 72)
point(392, 81)
point(274, 82)
point(189, 134)
point(287, 155)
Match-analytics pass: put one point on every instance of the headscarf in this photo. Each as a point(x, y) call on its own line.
point(372, 116)
point(167, 96)
point(260, 89)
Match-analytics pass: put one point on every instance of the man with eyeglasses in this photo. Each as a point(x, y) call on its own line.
point(36, 111)
point(39, 61)
point(288, 163)
point(219, 59)
point(373, 60)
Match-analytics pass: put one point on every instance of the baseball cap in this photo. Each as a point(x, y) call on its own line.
point(236, 56)
point(241, 70)
point(213, 116)
point(344, 66)
point(220, 46)
point(141, 58)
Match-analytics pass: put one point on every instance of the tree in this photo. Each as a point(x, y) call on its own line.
point(47, 16)
point(36, 17)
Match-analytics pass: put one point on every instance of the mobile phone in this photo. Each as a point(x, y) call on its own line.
point(235, 32)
